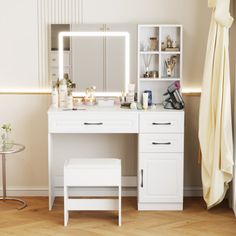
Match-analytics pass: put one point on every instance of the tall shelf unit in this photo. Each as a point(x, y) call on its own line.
point(54, 55)
point(169, 46)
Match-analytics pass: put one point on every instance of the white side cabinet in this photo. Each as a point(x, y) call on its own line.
point(160, 163)
point(161, 134)
point(53, 60)
point(53, 65)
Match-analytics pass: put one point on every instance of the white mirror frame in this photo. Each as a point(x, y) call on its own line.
point(96, 34)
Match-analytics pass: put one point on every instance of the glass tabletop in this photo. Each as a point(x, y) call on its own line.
point(15, 147)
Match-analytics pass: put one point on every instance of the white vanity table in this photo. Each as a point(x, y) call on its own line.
point(160, 148)
point(160, 145)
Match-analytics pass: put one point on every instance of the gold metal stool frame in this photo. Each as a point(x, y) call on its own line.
point(3, 151)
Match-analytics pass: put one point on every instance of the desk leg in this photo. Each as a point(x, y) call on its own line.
point(4, 194)
point(51, 194)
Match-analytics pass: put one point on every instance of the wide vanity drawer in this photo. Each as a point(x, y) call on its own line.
point(162, 122)
point(93, 122)
point(161, 142)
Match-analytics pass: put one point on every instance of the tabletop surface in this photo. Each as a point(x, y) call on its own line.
point(14, 149)
point(115, 108)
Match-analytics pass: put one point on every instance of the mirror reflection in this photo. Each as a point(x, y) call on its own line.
point(94, 61)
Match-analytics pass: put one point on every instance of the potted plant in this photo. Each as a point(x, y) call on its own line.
point(7, 143)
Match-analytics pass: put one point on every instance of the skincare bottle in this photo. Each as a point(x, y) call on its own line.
point(69, 101)
point(149, 92)
point(62, 93)
point(130, 95)
point(145, 101)
point(55, 98)
point(122, 100)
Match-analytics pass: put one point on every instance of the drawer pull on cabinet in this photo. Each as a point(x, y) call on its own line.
point(99, 123)
point(141, 178)
point(155, 143)
point(167, 123)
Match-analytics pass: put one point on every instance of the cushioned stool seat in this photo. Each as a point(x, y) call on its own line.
point(104, 172)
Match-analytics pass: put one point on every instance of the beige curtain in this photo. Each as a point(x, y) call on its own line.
point(215, 125)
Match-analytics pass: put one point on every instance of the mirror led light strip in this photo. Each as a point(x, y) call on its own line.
point(24, 91)
point(96, 34)
point(191, 91)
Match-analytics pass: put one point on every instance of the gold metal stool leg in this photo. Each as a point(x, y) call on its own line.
point(24, 204)
point(4, 197)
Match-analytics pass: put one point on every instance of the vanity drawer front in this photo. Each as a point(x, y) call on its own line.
point(54, 59)
point(93, 122)
point(161, 142)
point(162, 122)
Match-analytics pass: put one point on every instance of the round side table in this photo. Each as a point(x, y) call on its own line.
point(3, 151)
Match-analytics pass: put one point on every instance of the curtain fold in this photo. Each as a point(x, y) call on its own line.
point(215, 124)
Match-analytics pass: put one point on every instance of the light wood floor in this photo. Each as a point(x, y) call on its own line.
point(194, 220)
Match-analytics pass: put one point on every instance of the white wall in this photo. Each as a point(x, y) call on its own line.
point(193, 14)
point(28, 116)
point(21, 23)
point(28, 113)
point(19, 44)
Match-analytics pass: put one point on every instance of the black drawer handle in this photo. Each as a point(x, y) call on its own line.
point(99, 123)
point(141, 178)
point(155, 143)
point(167, 123)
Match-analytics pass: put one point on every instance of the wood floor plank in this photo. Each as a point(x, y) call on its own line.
point(195, 220)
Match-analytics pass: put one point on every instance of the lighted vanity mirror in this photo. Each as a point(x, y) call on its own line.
point(94, 55)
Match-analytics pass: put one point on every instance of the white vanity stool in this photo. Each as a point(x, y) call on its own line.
point(92, 173)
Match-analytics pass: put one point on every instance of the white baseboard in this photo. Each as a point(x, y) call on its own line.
point(26, 191)
point(189, 191)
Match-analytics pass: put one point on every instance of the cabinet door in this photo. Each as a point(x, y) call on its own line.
point(160, 177)
point(87, 59)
